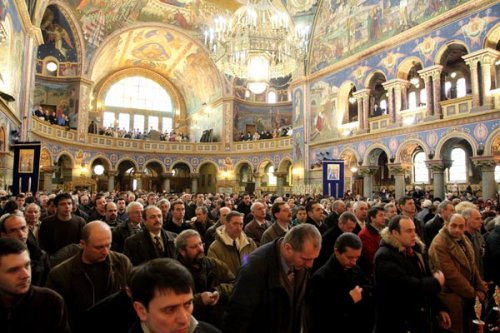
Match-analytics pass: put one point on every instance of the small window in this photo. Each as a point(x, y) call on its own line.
point(420, 170)
point(458, 170)
point(461, 88)
point(139, 122)
point(423, 97)
point(108, 119)
point(383, 106)
point(412, 100)
point(271, 97)
point(271, 177)
point(497, 173)
point(153, 123)
point(124, 121)
point(166, 124)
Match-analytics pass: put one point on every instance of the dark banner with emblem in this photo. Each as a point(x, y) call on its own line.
point(26, 171)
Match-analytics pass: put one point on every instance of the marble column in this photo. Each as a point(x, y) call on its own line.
point(194, 182)
point(257, 178)
point(280, 182)
point(367, 172)
point(486, 58)
point(138, 178)
point(166, 181)
point(432, 77)
point(398, 170)
point(363, 98)
point(437, 168)
point(111, 180)
point(472, 62)
point(47, 179)
point(428, 92)
point(486, 164)
point(436, 90)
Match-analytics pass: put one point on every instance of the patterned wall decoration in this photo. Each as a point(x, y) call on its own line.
point(12, 50)
point(425, 48)
point(265, 118)
point(346, 27)
point(61, 98)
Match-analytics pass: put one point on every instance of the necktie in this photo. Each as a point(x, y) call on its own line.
point(158, 244)
point(291, 277)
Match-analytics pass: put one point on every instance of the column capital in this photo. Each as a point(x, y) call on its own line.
point(167, 174)
point(256, 174)
point(369, 170)
point(396, 83)
point(363, 93)
point(194, 175)
point(431, 71)
point(49, 169)
point(279, 173)
point(112, 173)
point(484, 56)
point(138, 174)
point(398, 168)
point(485, 163)
point(438, 165)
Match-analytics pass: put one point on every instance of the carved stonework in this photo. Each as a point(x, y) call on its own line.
point(398, 169)
point(438, 166)
point(368, 170)
point(486, 163)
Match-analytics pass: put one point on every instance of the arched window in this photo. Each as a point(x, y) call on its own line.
point(458, 170)
point(272, 180)
point(271, 97)
point(461, 88)
point(147, 100)
point(420, 170)
point(412, 100)
point(497, 173)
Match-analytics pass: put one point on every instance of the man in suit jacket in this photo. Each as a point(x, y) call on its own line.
point(432, 227)
point(282, 219)
point(152, 242)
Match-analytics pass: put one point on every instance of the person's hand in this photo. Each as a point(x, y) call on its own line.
point(356, 294)
point(444, 320)
point(438, 275)
point(480, 295)
point(209, 298)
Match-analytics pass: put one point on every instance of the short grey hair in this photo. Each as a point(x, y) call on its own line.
point(133, 204)
point(298, 235)
point(181, 239)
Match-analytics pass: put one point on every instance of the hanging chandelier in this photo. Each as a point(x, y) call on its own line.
point(258, 42)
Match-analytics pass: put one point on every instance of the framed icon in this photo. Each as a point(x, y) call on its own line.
point(26, 160)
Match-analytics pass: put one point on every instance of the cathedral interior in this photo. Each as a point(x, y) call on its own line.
point(159, 95)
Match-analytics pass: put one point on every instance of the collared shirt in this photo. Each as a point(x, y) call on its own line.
point(153, 238)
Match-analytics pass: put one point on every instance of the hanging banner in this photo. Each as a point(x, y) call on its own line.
point(26, 171)
point(333, 178)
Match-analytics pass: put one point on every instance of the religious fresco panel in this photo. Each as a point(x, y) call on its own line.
point(264, 118)
point(58, 97)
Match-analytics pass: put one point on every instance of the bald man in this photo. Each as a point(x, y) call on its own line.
point(94, 273)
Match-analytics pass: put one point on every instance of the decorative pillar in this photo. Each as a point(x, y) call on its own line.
point(367, 172)
point(257, 178)
point(84, 109)
point(363, 98)
point(390, 96)
point(166, 181)
point(138, 178)
point(398, 170)
point(111, 180)
point(47, 179)
point(472, 62)
point(428, 92)
point(280, 182)
point(487, 166)
point(433, 91)
point(437, 168)
point(194, 182)
point(487, 58)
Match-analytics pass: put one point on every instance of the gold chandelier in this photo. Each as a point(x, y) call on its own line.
point(257, 43)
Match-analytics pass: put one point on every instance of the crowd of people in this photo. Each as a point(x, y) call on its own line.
point(264, 135)
point(151, 262)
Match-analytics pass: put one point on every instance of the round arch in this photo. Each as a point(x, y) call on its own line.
point(68, 154)
point(371, 75)
point(491, 143)
point(442, 50)
point(343, 99)
point(455, 135)
point(285, 164)
point(155, 160)
point(205, 162)
point(240, 163)
point(263, 164)
point(369, 152)
point(103, 158)
point(492, 37)
point(405, 145)
point(350, 150)
point(406, 65)
point(183, 161)
point(126, 159)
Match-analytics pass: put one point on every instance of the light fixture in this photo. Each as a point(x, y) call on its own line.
point(258, 42)
point(415, 81)
point(352, 100)
point(51, 66)
point(453, 75)
point(354, 169)
point(99, 170)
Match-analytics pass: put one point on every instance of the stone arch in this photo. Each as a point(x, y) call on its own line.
point(241, 162)
point(348, 151)
point(442, 50)
point(163, 167)
point(406, 65)
point(46, 158)
point(492, 37)
point(371, 151)
point(68, 154)
point(371, 75)
point(492, 145)
point(184, 162)
point(454, 135)
point(209, 162)
point(128, 159)
point(103, 158)
point(263, 164)
point(408, 144)
point(343, 100)
point(285, 164)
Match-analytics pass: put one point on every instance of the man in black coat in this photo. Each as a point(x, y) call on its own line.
point(342, 285)
point(407, 291)
point(444, 211)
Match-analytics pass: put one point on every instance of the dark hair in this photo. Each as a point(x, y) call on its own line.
point(276, 207)
point(372, 213)
point(310, 204)
point(62, 196)
point(161, 274)
point(11, 246)
point(394, 223)
point(348, 239)
point(347, 216)
point(402, 201)
point(175, 203)
point(10, 207)
point(232, 214)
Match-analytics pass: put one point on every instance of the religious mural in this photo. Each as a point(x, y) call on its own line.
point(59, 41)
point(346, 27)
point(12, 50)
point(324, 122)
point(260, 119)
point(208, 124)
point(59, 99)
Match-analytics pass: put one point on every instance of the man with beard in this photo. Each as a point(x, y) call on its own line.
point(212, 278)
point(23, 307)
point(151, 242)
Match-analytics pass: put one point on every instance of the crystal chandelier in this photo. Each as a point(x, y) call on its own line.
point(257, 43)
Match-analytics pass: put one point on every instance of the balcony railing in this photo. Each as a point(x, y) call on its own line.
point(379, 123)
point(413, 116)
point(456, 107)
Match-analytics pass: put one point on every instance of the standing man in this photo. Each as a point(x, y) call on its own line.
point(210, 234)
point(268, 296)
point(360, 210)
point(152, 241)
point(14, 226)
point(444, 211)
point(256, 227)
point(342, 285)
point(282, 214)
point(178, 223)
point(213, 280)
point(231, 244)
point(452, 252)
point(130, 227)
point(24, 307)
point(370, 237)
point(338, 208)
point(62, 228)
point(99, 211)
point(111, 214)
point(92, 274)
point(473, 223)
point(162, 296)
point(32, 215)
point(121, 204)
point(409, 209)
point(408, 292)
point(315, 216)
